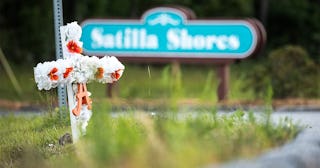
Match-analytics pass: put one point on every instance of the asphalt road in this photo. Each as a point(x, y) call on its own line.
point(309, 118)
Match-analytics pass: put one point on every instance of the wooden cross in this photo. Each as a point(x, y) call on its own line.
point(74, 71)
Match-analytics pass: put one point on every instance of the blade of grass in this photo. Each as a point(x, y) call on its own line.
point(10, 73)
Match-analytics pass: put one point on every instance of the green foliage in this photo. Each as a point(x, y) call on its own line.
point(209, 87)
point(289, 71)
point(293, 73)
point(209, 8)
point(239, 87)
point(249, 80)
point(257, 79)
point(27, 34)
point(140, 139)
point(221, 8)
point(295, 22)
point(26, 30)
point(24, 138)
point(186, 81)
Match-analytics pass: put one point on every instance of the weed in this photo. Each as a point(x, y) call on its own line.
point(139, 139)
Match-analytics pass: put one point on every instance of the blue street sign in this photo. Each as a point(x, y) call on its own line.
point(166, 32)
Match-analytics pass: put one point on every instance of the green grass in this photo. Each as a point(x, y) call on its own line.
point(141, 82)
point(21, 135)
point(139, 139)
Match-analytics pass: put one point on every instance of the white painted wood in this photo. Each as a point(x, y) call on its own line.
point(75, 129)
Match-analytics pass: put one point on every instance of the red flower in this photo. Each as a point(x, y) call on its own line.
point(52, 74)
point(67, 72)
point(116, 75)
point(73, 47)
point(99, 73)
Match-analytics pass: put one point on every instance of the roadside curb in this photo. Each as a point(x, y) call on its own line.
point(302, 152)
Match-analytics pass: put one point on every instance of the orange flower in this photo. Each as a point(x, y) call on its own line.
point(116, 75)
point(67, 72)
point(52, 74)
point(99, 73)
point(73, 47)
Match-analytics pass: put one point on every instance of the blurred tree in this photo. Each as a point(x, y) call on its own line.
point(26, 27)
point(262, 10)
point(288, 70)
point(295, 22)
point(223, 8)
point(293, 73)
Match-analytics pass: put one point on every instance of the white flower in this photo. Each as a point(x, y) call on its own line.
point(77, 69)
point(67, 54)
point(111, 66)
point(73, 31)
point(67, 69)
point(90, 65)
point(46, 75)
point(84, 69)
point(84, 118)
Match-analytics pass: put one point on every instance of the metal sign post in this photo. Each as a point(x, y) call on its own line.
point(58, 21)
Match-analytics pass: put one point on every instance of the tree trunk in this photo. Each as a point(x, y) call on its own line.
point(264, 4)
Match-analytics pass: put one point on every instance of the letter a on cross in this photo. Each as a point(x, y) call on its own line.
point(83, 98)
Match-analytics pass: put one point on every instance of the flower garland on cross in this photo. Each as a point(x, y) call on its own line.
point(74, 71)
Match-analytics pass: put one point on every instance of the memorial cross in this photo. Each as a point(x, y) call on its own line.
point(75, 71)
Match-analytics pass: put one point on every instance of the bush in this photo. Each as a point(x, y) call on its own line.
point(293, 73)
point(290, 72)
point(257, 79)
